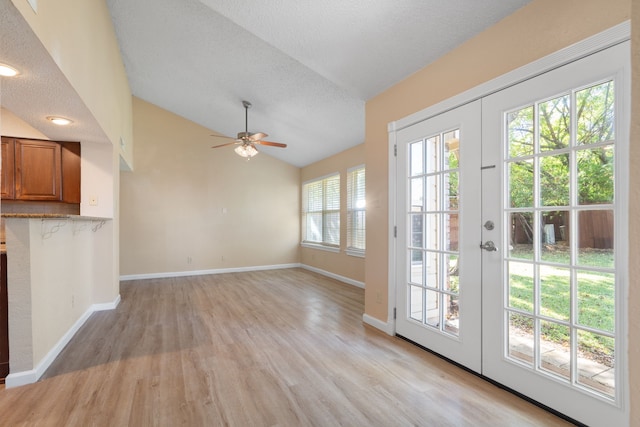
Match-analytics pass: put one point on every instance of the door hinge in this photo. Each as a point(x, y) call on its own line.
point(394, 313)
point(395, 150)
point(395, 231)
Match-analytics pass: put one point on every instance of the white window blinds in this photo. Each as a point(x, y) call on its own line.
point(321, 211)
point(356, 210)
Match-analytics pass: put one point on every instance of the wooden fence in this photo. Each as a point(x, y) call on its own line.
point(595, 229)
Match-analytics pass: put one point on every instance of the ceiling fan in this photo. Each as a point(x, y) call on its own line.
point(246, 140)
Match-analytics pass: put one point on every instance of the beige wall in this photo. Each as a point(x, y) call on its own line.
point(337, 263)
point(12, 125)
point(538, 29)
point(187, 207)
point(59, 291)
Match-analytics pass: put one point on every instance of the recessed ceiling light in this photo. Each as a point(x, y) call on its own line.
point(60, 121)
point(8, 71)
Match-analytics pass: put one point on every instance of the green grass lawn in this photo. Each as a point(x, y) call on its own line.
point(595, 297)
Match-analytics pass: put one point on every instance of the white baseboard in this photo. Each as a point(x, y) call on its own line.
point(333, 276)
point(240, 270)
point(21, 378)
point(16, 379)
point(106, 305)
point(386, 327)
point(204, 272)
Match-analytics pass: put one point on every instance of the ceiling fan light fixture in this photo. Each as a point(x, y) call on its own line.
point(246, 150)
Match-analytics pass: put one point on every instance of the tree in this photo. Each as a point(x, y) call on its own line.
point(593, 121)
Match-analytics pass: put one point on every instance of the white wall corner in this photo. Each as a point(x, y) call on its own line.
point(106, 305)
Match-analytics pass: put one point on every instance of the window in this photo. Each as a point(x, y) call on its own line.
point(356, 211)
point(321, 212)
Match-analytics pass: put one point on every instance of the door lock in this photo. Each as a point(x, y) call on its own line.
point(489, 225)
point(488, 246)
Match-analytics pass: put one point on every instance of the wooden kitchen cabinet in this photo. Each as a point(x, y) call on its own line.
point(38, 170)
point(6, 180)
point(70, 172)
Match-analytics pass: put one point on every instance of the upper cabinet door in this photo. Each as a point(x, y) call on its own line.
point(6, 178)
point(38, 170)
point(70, 172)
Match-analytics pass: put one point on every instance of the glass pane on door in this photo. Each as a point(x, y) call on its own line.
point(433, 218)
point(560, 303)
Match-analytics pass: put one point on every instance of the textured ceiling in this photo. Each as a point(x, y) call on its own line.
point(307, 66)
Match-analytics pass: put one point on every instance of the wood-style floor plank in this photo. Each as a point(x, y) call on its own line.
point(269, 348)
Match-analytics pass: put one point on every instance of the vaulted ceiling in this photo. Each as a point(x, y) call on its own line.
point(307, 66)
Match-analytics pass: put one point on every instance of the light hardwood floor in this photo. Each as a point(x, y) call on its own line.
point(271, 348)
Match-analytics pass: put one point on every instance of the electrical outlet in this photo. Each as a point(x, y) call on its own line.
point(93, 200)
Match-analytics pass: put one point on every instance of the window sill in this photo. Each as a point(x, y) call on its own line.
point(333, 249)
point(356, 252)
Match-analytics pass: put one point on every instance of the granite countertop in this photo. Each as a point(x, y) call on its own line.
point(33, 215)
point(53, 216)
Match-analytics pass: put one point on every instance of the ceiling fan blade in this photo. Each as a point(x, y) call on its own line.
point(272, 144)
point(224, 145)
point(258, 136)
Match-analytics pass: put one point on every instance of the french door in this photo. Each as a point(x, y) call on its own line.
point(438, 230)
point(511, 244)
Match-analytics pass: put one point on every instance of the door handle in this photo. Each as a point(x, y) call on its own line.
point(488, 246)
